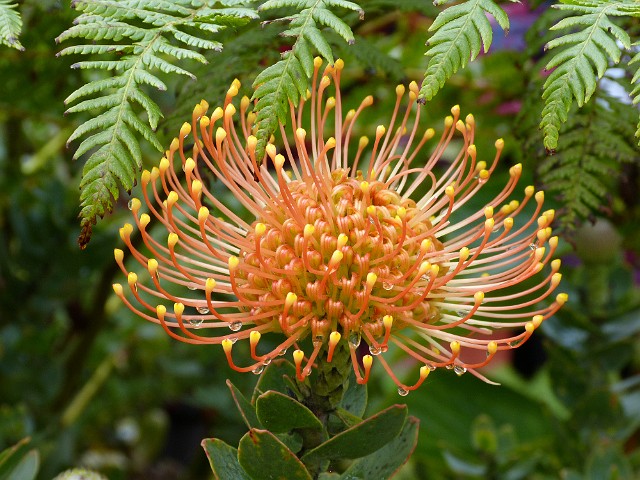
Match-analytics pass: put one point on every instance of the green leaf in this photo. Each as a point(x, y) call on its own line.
point(223, 459)
point(246, 409)
point(388, 460)
point(354, 399)
point(263, 455)
point(459, 32)
point(583, 61)
point(10, 25)
point(19, 463)
point(272, 378)
point(280, 413)
point(142, 32)
point(362, 439)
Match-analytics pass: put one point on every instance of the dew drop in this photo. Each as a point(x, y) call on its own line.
point(354, 339)
point(203, 310)
point(387, 285)
point(403, 392)
point(266, 361)
point(130, 204)
point(459, 370)
point(233, 340)
point(462, 313)
point(373, 350)
point(514, 343)
point(431, 367)
point(235, 326)
point(426, 277)
point(449, 367)
point(371, 220)
point(495, 229)
point(258, 370)
point(195, 322)
point(191, 286)
point(282, 352)
point(532, 246)
point(318, 341)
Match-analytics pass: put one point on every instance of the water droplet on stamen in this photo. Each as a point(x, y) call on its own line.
point(532, 246)
point(203, 310)
point(130, 204)
point(403, 392)
point(431, 367)
point(191, 286)
point(387, 285)
point(375, 350)
point(462, 313)
point(282, 352)
point(235, 326)
point(426, 277)
point(266, 361)
point(318, 341)
point(354, 339)
point(258, 370)
point(449, 367)
point(233, 340)
point(459, 370)
point(514, 343)
point(195, 322)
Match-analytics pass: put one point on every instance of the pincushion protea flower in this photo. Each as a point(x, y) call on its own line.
point(348, 242)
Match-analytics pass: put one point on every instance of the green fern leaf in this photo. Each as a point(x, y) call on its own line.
point(141, 31)
point(460, 32)
point(288, 79)
point(10, 25)
point(583, 61)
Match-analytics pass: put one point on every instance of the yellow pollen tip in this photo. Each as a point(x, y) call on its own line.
point(172, 239)
point(483, 174)
point(401, 212)
point(455, 347)
point(198, 111)
point(301, 134)
point(539, 196)
point(537, 320)
point(309, 230)
point(331, 102)
point(189, 165)
point(271, 150)
point(529, 327)
point(145, 177)
point(117, 288)
point(126, 230)
point(450, 191)
point(371, 210)
point(161, 311)
point(380, 130)
point(233, 263)
point(413, 86)
point(448, 121)
point(324, 82)
point(155, 173)
point(471, 150)
point(516, 170)
point(455, 110)
point(209, 285)
point(232, 91)
point(251, 143)
point(508, 223)
point(331, 142)
point(424, 372)
point(244, 102)
point(254, 337)
point(464, 253)
point(152, 266)
point(368, 101)
point(132, 278)
point(339, 64)
point(178, 308)
point(334, 338)
point(562, 298)
point(227, 345)
point(424, 267)
point(481, 166)
point(387, 321)
point(555, 264)
point(363, 142)
point(203, 214)
point(259, 229)
point(217, 114)
point(400, 89)
point(196, 187)
point(336, 258)
point(492, 347)
point(230, 110)
point(425, 245)
point(435, 269)
point(290, 299)
point(134, 205)
point(529, 191)
point(342, 240)
point(298, 356)
point(317, 62)
point(488, 212)
point(367, 361)
point(163, 165)
point(470, 119)
point(221, 134)
point(372, 278)
point(460, 126)
point(185, 129)
point(429, 133)
point(118, 254)
point(499, 144)
point(279, 161)
point(172, 198)
point(364, 186)
point(478, 297)
point(489, 223)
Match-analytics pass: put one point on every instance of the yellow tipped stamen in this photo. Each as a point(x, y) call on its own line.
point(492, 347)
point(342, 240)
point(259, 229)
point(132, 279)
point(117, 288)
point(334, 339)
point(537, 320)
point(118, 254)
point(372, 278)
point(562, 298)
point(172, 240)
point(152, 267)
point(209, 285)
point(203, 214)
point(233, 263)
point(185, 129)
point(227, 345)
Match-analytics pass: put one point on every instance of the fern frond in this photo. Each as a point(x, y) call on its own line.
point(588, 48)
point(288, 79)
point(635, 91)
point(10, 25)
point(596, 140)
point(460, 32)
point(149, 36)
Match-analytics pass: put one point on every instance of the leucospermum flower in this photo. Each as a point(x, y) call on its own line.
point(347, 242)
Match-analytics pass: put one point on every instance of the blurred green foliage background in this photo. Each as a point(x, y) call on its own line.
point(93, 386)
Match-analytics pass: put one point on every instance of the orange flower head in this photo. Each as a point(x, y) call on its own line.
point(337, 240)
